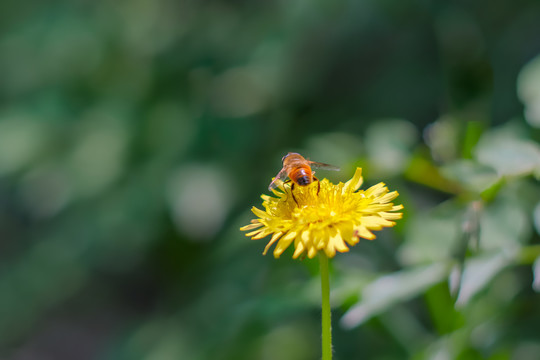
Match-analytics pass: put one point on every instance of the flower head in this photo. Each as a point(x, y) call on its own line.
point(323, 216)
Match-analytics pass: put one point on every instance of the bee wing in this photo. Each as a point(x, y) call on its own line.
point(318, 165)
point(280, 176)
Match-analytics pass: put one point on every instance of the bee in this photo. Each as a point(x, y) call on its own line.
point(299, 170)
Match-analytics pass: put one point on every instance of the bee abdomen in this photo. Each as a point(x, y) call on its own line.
point(303, 180)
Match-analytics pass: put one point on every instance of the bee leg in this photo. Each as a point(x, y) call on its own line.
point(318, 185)
point(292, 188)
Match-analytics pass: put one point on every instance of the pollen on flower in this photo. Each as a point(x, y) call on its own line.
point(324, 217)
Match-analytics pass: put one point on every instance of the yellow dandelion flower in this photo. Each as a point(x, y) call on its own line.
point(323, 217)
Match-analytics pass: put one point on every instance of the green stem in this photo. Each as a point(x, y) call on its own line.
point(326, 314)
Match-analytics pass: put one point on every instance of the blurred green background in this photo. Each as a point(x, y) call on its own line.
point(136, 135)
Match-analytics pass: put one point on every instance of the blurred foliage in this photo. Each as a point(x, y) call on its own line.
point(136, 135)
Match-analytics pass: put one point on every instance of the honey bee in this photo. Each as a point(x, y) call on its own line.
point(299, 170)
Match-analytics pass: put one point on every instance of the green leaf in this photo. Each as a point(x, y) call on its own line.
point(536, 218)
point(509, 156)
point(431, 236)
point(442, 137)
point(388, 144)
point(478, 273)
point(391, 289)
point(503, 224)
point(528, 88)
point(471, 175)
point(536, 273)
point(23, 138)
